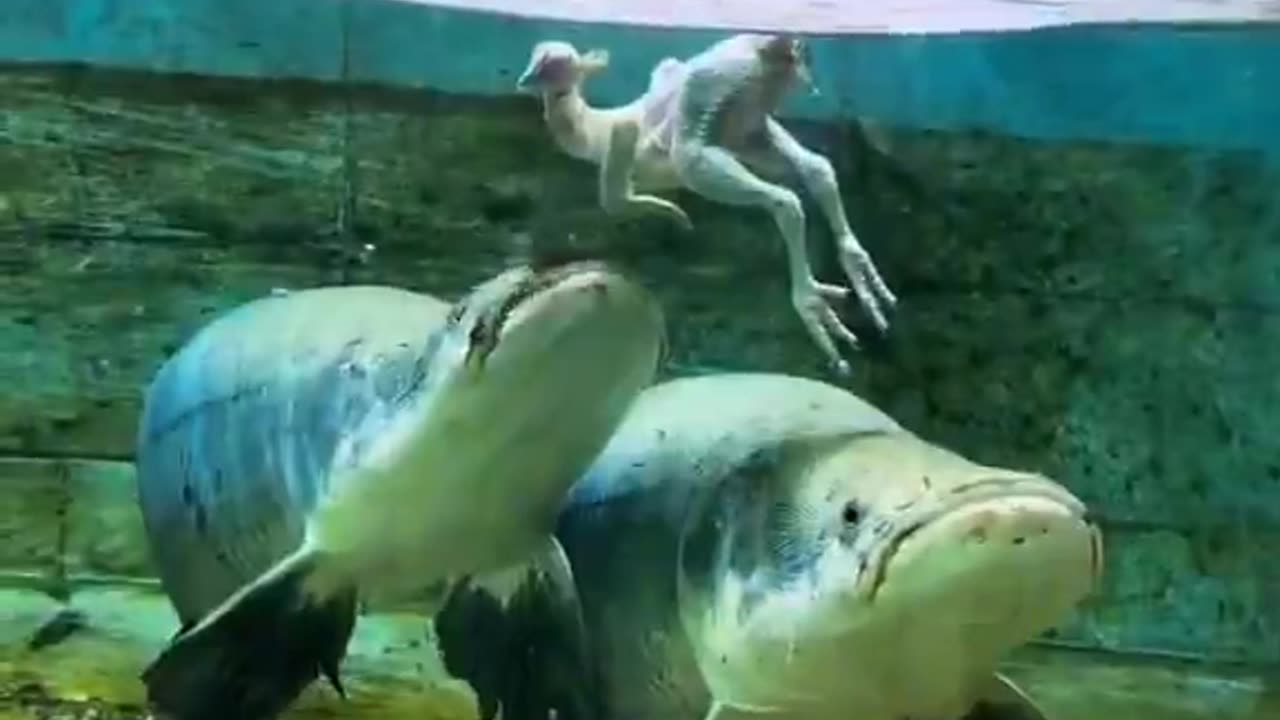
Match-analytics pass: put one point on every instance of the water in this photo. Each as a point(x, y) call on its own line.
point(1080, 225)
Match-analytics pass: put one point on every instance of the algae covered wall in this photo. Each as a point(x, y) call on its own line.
point(1105, 314)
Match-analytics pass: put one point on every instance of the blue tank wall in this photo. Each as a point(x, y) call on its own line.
point(1212, 87)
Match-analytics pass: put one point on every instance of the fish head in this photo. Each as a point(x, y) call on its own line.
point(556, 315)
point(557, 67)
point(878, 569)
point(534, 369)
point(574, 332)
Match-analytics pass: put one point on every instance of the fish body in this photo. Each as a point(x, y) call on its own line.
point(307, 453)
point(759, 545)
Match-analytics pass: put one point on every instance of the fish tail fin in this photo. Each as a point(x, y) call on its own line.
point(254, 654)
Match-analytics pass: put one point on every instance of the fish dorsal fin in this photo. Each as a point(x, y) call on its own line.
point(1002, 699)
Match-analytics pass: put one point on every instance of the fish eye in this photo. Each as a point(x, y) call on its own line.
point(455, 314)
point(851, 513)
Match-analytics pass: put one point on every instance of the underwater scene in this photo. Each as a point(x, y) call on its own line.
point(605, 361)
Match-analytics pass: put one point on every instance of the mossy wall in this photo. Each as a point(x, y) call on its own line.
point(1102, 313)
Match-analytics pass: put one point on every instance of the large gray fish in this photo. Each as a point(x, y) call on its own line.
point(306, 451)
point(764, 546)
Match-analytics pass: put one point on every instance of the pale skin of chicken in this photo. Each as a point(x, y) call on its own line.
point(705, 124)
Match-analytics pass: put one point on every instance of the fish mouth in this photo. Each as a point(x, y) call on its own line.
point(915, 517)
point(544, 304)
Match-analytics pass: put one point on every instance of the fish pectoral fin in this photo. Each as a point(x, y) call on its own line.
point(1002, 699)
point(471, 639)
point(521, 645)
point(552, 563)
point(256, 652)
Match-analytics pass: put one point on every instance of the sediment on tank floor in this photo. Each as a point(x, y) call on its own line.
point(87, 661)
point(1102, 313)
point(393, 672)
